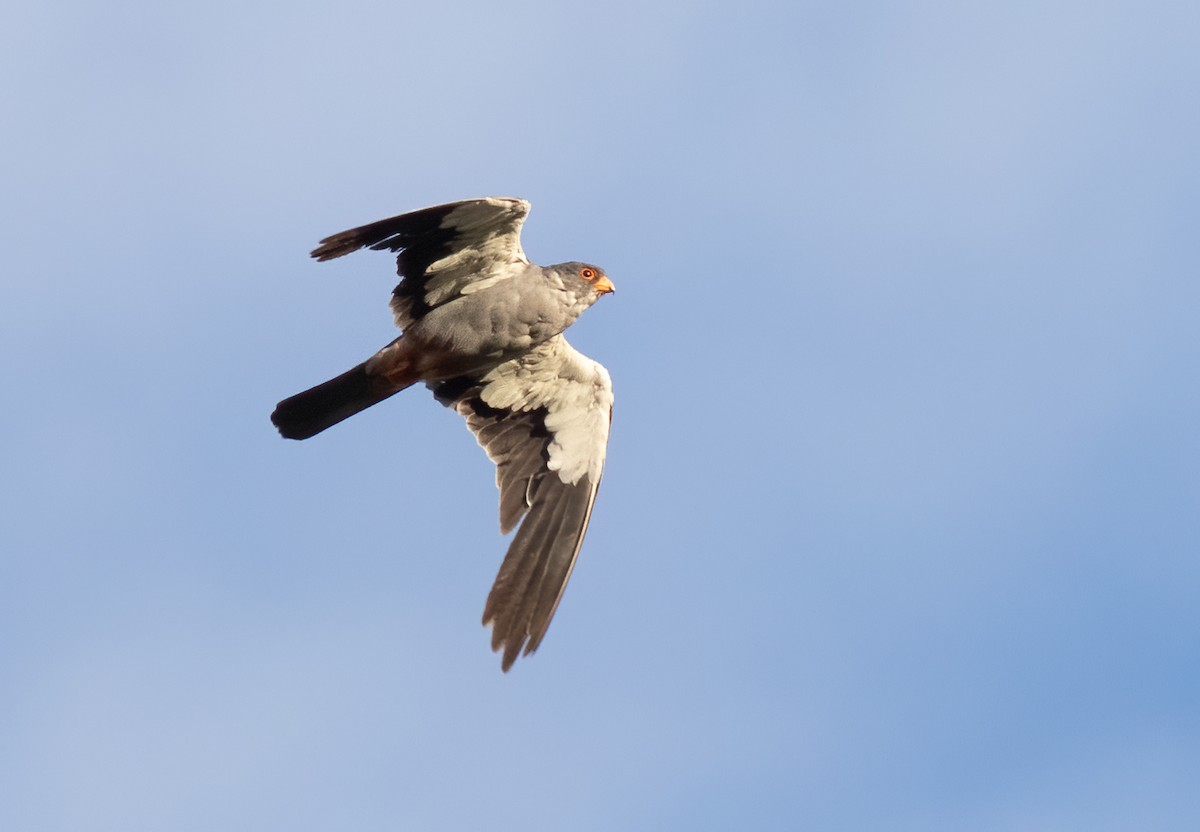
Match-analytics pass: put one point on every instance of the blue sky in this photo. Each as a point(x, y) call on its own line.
point(900, 523)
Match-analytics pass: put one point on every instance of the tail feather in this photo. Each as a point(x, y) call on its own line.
point(307, 414)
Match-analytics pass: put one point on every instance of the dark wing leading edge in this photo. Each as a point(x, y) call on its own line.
point(444, 251)
point(543, 419)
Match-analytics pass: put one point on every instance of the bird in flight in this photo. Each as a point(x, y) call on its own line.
point(482, 327)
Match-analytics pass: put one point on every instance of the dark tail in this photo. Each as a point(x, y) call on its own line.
point(307, 414)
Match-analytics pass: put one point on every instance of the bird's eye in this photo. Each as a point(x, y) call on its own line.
point(587, 274)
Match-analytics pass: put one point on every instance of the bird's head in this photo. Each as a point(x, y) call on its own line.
point(593, 276)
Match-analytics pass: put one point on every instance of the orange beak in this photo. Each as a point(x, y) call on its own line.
point(603, 285)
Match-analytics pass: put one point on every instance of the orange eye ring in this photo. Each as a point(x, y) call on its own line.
point(588, 274)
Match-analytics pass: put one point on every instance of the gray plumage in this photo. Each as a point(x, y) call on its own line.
point(482, 327)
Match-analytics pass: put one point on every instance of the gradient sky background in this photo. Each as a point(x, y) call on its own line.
point(902, 512)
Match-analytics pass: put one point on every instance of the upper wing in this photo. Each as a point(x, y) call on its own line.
point(444, 251)
point(543, 419)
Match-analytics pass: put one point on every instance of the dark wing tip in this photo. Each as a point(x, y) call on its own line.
point(398, 232)
point(514, 645)
point(336, 246)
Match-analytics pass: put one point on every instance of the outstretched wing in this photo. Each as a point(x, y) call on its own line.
point(444, 251)
point(543, 419)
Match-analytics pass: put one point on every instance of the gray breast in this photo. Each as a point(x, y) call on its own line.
point(500, 321)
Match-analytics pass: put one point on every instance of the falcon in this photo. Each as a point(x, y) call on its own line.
point(482, 327)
